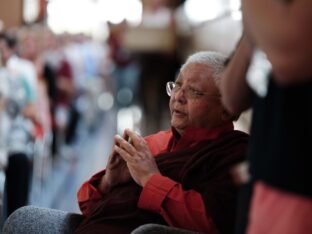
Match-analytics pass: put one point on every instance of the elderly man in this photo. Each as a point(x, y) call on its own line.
point(179, 177)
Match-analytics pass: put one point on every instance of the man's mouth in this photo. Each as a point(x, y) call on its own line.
point(178, 112)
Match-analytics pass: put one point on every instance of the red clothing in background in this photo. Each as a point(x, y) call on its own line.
point(162, 195)
point(290, 213)
point(64, 83)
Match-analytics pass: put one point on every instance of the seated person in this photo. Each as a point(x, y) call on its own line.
point(179, 177)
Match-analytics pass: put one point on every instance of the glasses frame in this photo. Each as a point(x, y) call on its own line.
point(189, 92)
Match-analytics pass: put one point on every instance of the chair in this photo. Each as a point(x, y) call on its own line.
point(32, 219)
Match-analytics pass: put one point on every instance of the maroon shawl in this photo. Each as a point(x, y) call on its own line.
point(203, 168)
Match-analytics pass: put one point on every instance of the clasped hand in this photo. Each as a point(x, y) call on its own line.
point(137, 155)
point(128, 159)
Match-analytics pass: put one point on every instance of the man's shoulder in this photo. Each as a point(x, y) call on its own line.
point(160, 134)
point(230, 145)
point(159, 141)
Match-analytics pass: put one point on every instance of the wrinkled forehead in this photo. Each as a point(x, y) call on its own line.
point(196, 73)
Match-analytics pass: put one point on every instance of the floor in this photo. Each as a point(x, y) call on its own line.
point(87, 156)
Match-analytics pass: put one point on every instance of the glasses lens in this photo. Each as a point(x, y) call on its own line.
point(169, 88)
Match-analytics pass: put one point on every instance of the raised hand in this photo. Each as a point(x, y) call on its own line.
point(136, 153)
point(116, 172)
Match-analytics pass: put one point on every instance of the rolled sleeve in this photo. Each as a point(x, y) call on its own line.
point(88, 194)
point(88, 190)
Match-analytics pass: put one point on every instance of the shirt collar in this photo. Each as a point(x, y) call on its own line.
point(192, 136)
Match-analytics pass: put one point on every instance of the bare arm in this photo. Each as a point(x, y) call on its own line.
point(236, 95)
point(288, 48)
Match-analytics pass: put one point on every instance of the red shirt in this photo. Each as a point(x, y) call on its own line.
point(180, 208)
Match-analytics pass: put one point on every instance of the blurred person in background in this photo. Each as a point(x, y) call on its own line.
point(30, 48)
point(84, 58)
point(278, 197)
point(18, 118)
point(179, 177)
point(158, 65)
point(125, 68)
point(77, 61)
point(156, 13)
point(63, 91)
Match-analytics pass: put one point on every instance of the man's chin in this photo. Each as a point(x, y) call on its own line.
point(178, 127)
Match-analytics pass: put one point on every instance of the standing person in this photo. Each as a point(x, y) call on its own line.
point(280, 198)
point(30, 49)
point(158, 65)
point(20, 109)
point(179, 177)
point(125, 69)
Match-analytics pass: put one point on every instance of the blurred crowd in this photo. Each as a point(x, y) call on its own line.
point(48, 84)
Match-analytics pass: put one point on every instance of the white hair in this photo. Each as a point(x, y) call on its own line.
point(211, 59)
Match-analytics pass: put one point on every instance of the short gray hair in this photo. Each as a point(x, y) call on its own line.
point(213, 60)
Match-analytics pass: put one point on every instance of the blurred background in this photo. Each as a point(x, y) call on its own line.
point(74, 73)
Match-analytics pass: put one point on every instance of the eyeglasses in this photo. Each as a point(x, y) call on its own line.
point(189, 92)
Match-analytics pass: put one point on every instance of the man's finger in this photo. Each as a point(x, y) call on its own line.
point(125, 136)
point(122, 143)
point(136, 139)
point(125, 155)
